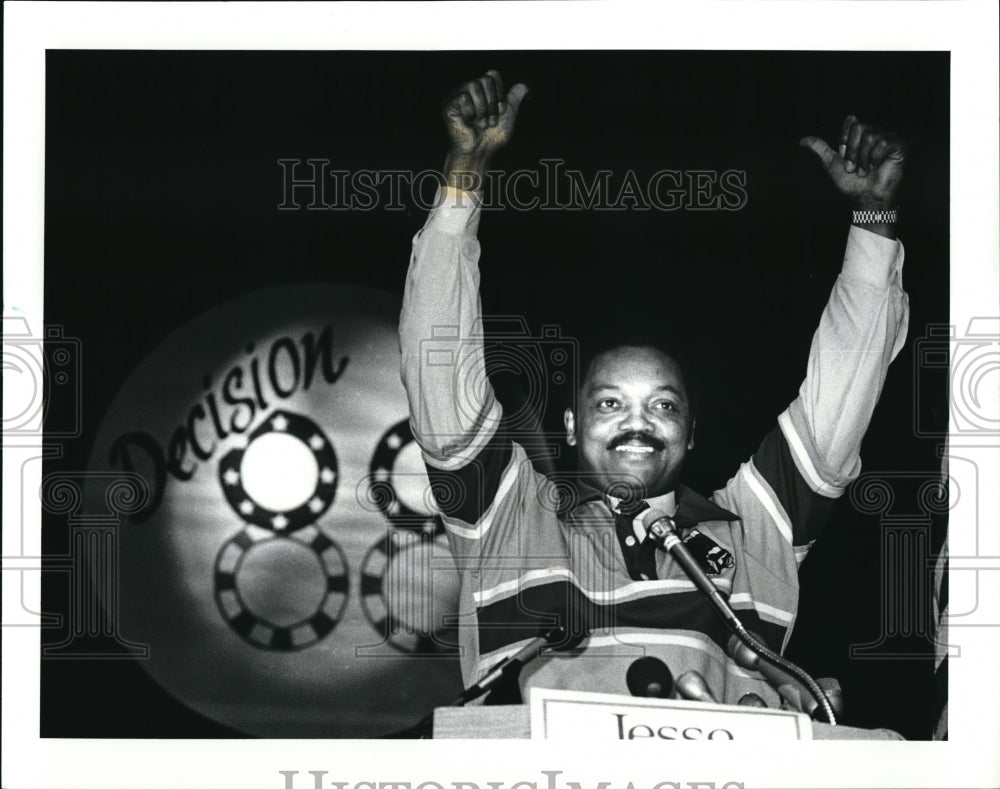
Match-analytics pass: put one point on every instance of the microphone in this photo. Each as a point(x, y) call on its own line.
point(692, 686)
point(789, 688)
point(833, 692)
point(751, 700)
point(557, 637)
point(649, 676)
point(662, 529)
point(808, 697)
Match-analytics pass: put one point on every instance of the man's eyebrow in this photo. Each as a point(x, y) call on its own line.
point(596, 387)
point(674, 389)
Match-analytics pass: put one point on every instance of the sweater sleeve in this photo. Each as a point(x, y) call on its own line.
point(453, 410)
point(806, 462)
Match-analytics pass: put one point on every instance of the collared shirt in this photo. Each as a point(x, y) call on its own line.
point(533, 551)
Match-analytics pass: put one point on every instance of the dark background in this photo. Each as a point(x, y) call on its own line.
point(162, 187)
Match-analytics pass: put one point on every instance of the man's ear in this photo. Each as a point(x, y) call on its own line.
point(570, 422)
point(691, 435)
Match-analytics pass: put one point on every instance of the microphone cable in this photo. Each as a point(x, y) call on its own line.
point(766, 653)
point(662, 529)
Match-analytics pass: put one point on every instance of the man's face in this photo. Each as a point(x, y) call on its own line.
point(633, 424)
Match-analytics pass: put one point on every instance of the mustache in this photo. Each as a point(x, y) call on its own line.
point(638, 436)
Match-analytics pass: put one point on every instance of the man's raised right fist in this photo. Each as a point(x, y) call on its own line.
point(480, 116)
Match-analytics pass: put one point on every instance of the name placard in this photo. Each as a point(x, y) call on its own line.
point(578, 715)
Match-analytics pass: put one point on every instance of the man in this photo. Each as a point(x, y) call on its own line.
point(530, 555)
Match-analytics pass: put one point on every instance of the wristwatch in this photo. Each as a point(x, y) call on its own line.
point(884, 217)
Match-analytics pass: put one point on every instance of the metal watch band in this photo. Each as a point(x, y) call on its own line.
point(886, 217)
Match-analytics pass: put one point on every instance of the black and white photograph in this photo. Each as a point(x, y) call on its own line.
point(393, 391)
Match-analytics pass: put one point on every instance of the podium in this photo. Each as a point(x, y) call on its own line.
point(513, 722)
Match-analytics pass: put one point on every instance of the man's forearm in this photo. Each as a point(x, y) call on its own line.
point(440, 333)
point(864, 324)
point(861, 330)
point(466, 172)
point(884, 229)
point(452, 405)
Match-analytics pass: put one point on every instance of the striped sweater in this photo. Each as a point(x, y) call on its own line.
point(532, 551)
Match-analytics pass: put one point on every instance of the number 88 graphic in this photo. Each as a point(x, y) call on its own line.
point(282, 546)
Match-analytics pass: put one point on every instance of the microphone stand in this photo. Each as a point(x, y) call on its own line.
point(663, 530)
point(509, 667)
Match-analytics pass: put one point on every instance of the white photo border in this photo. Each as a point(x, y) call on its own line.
point(968, 30)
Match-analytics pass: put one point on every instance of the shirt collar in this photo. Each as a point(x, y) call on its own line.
point(691, 507)
point(664, 503)
point(694, 508)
